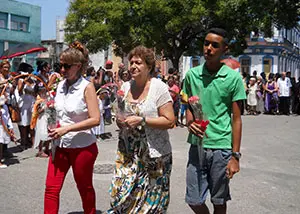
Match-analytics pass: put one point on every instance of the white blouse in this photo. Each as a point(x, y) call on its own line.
point(157, 139)
point(71, 108)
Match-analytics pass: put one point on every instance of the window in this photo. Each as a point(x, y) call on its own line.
point(3, 20)
point(2, 23)
point(245, 66)
point(14, 25)
point(20, 23)
point(1, 47)
point(23, 26)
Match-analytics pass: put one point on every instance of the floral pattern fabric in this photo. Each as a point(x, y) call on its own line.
point(140, 183)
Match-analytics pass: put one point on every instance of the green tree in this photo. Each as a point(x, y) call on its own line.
point(173, 26)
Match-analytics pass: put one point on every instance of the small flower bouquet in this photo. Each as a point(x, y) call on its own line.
point(121, 114)
point(52, 122)
point(194, 102)
point(120, 102)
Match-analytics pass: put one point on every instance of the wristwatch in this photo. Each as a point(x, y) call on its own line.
point(236, 155)
point(143, 123)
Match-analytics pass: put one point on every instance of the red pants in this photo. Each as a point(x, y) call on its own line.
point(82, 161)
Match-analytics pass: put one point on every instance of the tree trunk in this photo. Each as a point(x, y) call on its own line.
point(175, 59)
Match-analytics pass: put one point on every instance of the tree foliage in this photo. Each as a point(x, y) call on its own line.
point(173, 26)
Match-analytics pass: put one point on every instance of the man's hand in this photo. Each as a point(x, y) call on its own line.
point(195, 129)
point(233, 167)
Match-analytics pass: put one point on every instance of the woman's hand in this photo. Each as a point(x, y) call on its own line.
point(57, 132)
point(120, 122)
point(133, 121)
point(40, 108)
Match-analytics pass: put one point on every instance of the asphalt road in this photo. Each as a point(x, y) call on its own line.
point(269, 180)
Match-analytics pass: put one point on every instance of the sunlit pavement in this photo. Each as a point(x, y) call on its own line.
point(269, 181)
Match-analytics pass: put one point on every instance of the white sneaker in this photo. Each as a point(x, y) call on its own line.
point(3, 166)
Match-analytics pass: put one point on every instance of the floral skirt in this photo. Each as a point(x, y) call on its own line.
point(140, 183)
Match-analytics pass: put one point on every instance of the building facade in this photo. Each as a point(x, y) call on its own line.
point(19, 23)
point(273, 55)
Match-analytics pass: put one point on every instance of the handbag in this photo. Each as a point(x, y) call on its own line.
point(14, 113)
point(14, 110)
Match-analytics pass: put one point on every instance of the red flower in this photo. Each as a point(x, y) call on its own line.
point(120, 93)
point(50, 103)
point(193, 99)
point(202, 123)
point(53, 93)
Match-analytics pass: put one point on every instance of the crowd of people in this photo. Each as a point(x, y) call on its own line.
point(273, 94)
point(62, 111)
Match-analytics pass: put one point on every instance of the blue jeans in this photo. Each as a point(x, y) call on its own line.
point(211, 177)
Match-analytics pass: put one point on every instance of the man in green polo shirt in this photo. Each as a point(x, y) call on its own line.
point(221, 92)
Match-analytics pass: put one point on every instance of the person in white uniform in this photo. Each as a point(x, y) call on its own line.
point(99, 130)
point(25, 97)
point(5, 132)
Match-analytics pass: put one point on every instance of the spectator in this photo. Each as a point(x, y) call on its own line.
point(174, 92)
point(271, 101)
point(284, 93)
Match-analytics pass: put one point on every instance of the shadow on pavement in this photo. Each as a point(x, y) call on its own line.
point(12, 161)
point(15, 149)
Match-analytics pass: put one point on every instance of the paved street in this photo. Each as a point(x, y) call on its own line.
point(269, 181)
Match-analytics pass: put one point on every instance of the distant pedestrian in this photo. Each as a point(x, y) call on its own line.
point(271, 99)
point(251, 96)
point(284, 92)
point(260, 95)
point(6, 129)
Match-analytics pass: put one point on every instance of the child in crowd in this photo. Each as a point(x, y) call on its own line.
point(39, 122)
point(107, 108)
point(174, 92)
point(99, 130)
point(6, 129)
point(251, 96)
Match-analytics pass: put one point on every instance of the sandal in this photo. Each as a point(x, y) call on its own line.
point(41, 155)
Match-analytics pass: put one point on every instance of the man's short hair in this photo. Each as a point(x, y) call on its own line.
point(220, 32)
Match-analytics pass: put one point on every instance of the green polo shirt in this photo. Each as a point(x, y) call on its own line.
point(217, 93)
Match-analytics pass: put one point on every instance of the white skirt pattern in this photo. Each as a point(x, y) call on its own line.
point(41, 130)
point(97, 130)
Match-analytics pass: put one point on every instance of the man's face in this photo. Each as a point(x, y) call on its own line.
point(213, 47)
point(283, 75)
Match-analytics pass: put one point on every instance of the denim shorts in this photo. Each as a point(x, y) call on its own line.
point(211, 177)
point(183, 108)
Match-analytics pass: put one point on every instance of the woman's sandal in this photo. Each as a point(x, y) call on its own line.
point(42, 155)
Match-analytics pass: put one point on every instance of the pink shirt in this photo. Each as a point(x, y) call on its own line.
point(174, 91)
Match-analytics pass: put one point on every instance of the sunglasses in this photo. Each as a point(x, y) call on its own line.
point(213, 44)
point(65, 65)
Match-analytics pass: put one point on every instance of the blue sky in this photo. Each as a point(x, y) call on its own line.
point(51, 9)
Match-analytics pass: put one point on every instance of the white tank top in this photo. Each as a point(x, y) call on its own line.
point(71, 108)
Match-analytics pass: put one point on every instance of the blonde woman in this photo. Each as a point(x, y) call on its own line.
point(77, 112)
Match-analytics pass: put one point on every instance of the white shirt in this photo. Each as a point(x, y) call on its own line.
point(158, 95)
point(4, 137)
point(284, 87)
point(71, 108)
